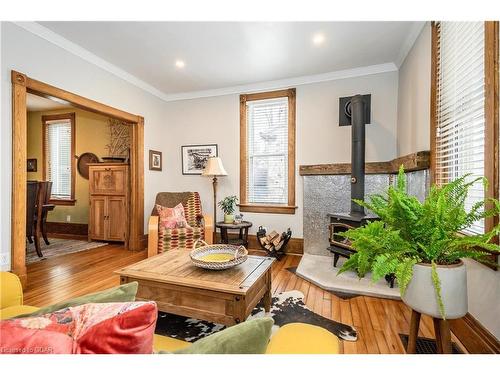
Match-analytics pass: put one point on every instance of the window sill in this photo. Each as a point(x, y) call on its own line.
point(268, 208)
point(63, 202)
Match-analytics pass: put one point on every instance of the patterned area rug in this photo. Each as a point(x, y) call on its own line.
point(287, 307)
point(59, 246)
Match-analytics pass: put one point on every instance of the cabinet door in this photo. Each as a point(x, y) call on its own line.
point(116, 218)
point(108, 180)
point(97, 218)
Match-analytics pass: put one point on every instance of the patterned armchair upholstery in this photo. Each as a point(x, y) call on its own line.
point(160, 240)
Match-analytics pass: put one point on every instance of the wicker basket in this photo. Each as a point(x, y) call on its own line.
point(239, 253)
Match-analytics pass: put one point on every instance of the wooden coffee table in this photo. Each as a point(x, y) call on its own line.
point(178, 287)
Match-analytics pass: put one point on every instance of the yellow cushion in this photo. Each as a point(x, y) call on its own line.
point(168, 344)
point(300, 338)
point(12, 311)
point(11, 290)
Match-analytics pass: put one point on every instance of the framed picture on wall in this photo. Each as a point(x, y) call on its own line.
point(32, 165)
point(155, 160)
point(194, 157)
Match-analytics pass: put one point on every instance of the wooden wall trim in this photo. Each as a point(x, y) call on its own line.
point(75, 231)
point(137, 187)
point(433, 98)
point(491, 134)
point(57, 94)
point(19, 176)
point(473, 335)
point(62, 116)
point(245, 206)
point(295, 246)
point(21, 85)
point(413, 162)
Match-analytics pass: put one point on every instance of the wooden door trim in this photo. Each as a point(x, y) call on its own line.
point(21, 85)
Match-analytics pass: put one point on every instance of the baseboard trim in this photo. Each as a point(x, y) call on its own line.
point(294, 247)
point(67, 230)
point(474, 336)
point(68, 236)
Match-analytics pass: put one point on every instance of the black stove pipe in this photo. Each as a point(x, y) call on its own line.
point(357, 153)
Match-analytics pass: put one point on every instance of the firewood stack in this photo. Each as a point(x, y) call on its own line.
point(274, 243)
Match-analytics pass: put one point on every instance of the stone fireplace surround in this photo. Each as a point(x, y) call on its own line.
point(327, 190)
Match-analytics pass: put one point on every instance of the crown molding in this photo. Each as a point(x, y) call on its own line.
point(58, 40)
point(410, 40)
point(288, 82)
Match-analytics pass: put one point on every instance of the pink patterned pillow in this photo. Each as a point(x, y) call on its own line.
point(96, 328)
point(172, 217)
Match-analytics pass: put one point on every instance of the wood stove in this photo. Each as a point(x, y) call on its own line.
point(342, 221)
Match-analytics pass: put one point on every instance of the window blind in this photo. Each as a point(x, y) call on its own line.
point(58, 157)
point(460, 100)
point(267, 137)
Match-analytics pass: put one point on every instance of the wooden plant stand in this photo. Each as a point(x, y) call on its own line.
point(441, 329)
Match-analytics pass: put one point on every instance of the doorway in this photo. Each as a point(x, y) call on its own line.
point(21, 86)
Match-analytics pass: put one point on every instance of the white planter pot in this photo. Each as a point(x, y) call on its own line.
point(228, 219)
point(421, 296)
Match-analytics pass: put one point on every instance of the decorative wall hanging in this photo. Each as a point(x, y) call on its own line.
point(83, 163)
point(195, 157)
point(119, 141)
point(31, 165)
point(155, 162)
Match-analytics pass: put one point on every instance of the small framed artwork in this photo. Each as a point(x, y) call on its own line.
point(155, 160)
point(32, 165)
point(194, 157)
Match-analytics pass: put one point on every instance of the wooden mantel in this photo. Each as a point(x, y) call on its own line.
point(412, 162)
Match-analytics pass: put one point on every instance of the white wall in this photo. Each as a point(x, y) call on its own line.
point(414, 135)
point(414, 96)
point(42, 60)
point(319, 138)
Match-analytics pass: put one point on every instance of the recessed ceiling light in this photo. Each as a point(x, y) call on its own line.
point(180, 64)
point(318, 39)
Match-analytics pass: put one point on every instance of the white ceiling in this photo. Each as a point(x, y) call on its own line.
point(39, 103)
point(226, 54)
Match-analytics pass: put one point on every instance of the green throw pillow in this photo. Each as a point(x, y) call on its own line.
point(121, 293)
point(250, 337)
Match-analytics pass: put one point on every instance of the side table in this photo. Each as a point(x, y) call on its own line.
point(242, 236)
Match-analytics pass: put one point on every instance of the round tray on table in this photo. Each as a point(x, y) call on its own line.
point(218, 256)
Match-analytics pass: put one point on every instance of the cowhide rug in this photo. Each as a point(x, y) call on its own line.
point(287, 307)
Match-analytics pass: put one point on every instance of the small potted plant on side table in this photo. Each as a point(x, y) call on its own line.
point(227, 205)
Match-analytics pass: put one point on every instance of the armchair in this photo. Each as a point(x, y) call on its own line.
point(202, 226)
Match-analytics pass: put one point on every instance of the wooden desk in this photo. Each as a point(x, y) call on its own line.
point(178, 287)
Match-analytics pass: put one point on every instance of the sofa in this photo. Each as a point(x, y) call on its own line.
point(293, 338)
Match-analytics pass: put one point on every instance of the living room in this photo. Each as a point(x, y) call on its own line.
point(272, 149)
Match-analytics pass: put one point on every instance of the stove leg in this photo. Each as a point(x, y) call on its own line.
point(335, 259)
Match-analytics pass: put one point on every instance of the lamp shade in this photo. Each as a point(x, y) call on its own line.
point(214, 167)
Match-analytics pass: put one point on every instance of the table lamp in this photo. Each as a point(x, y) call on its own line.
point(214, 168)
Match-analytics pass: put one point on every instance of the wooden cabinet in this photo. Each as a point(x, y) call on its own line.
point(108, 187)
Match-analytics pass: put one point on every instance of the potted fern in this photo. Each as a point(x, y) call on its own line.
point(227, 205)
point(423, 245)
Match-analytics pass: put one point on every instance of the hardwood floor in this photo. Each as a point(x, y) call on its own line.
point(378, 321)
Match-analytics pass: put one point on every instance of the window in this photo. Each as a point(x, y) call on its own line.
point(58, 151)
point(462, 134)
point(267, 163)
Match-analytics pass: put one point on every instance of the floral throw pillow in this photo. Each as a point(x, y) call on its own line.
point(93, 328)
point(170, 218)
